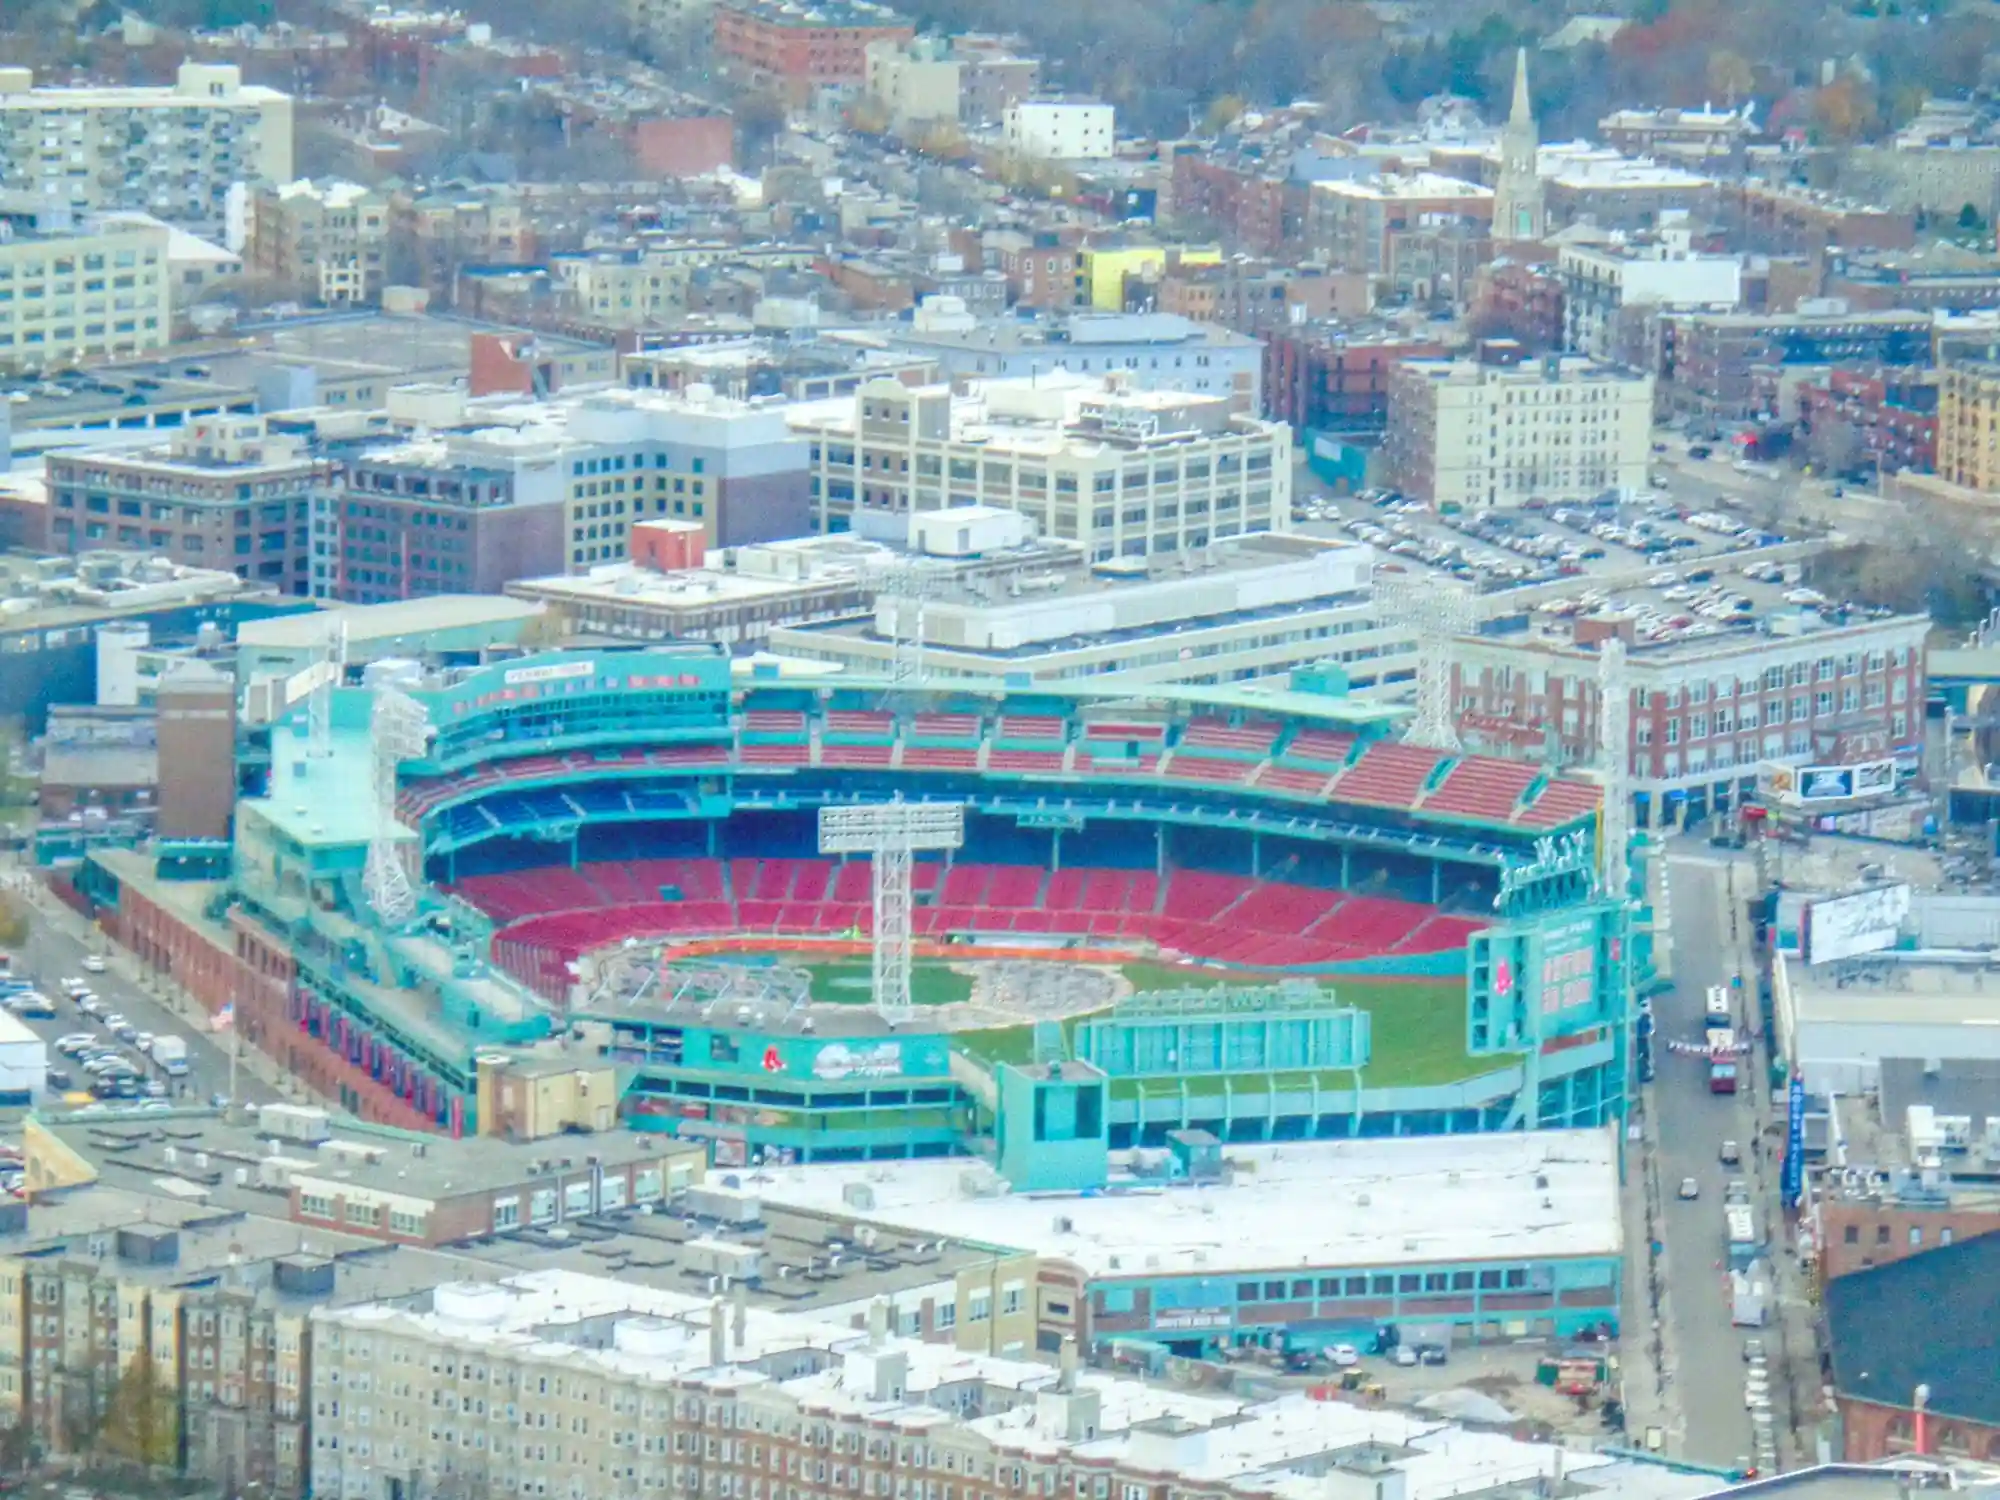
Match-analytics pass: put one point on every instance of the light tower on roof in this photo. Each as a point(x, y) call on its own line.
point(1519, 214)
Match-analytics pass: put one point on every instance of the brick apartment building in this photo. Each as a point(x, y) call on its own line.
point(1327, 381)
point(800, 50)
point(1247, 208)
point(223, 492)
point(1728, 365)
point(1520, 299)
point(1786, 219)
point(1705, 714)
point(1043, 270)
point(1861, 417)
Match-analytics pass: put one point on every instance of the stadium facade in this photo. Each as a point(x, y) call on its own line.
point(1177, 913)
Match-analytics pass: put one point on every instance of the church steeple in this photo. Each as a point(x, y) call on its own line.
point(1523, 112)
point(1518, 213)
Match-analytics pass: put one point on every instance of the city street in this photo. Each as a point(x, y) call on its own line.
point(58, 940)
point(1704, 1353)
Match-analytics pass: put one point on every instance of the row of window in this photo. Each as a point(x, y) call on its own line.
point(1303, 1288)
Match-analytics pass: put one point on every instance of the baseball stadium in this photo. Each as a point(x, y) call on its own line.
point(1252, 911)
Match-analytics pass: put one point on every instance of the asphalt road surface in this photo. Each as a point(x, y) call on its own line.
point(1768, 493)
point(1706, 1352)
point(55, 949)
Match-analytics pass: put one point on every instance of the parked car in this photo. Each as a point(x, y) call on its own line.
point(1404, 1355)
point(1432, 1354)
point(93, 963)
point(1731, 1153)
point(60, 1080)
point(1344, 1356)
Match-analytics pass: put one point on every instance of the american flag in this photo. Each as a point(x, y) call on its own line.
point(223, 1019)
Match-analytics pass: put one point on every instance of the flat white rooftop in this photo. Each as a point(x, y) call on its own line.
point(1462, 1198)
point(1278, 1447)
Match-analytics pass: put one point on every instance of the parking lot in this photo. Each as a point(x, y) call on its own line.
point(103, 1055)
point(1681, 566)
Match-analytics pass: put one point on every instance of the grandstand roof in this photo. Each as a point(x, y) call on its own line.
point(1263, 697)
point(374, 622)
point(1432, 1200)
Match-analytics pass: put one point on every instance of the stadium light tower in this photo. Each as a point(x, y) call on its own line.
point(906, 587)
point(1437, 615)
point(399, 728)
point(325, 674)
point(1614, 751)
point(892, 832)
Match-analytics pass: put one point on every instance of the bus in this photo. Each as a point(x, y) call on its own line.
point(1740, 1230)
point(1716, 1015)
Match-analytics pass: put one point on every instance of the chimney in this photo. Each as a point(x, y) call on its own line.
point(718, 1334)
point(1066, 1362)
point(878, 1321)
point(1923, 1400)
point(739, 1321)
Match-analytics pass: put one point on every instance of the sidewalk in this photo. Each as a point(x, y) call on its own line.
point(1789, 1338)
point(252, 1065)
point(1646, 1347)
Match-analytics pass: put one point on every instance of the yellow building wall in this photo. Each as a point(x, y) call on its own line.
point(996, 1306)
point(1105, 270)
point(48, 1163)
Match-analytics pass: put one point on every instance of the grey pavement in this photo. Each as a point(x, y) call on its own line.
point(58, 940)
point(1687, 1125)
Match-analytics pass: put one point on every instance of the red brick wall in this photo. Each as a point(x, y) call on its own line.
point(685, 147)
point(667, 546)
point(1859, 1235)
point(1871, 1431)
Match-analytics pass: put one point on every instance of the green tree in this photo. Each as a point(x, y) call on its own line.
point(142, 1419)
point(1970, 219)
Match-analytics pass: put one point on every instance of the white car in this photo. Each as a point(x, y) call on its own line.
point(93, 963)
point(1690, 1189)
point(75, 987)
point(75, 1042)
point(1344, 1356)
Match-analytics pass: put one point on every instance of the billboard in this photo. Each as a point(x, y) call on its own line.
point(1838, 927)
point(1795, 1142)
point(1812, 784)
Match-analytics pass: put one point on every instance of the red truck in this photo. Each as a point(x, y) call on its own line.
point(1721, 1076)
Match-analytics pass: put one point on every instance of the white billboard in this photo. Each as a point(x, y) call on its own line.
point(1838, 927)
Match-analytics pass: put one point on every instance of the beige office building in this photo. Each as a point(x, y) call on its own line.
point(1968, 429)
point(325, 242)
point(1119, 472)
point(71, 298)
point(172, 151)
point(1470, 435)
